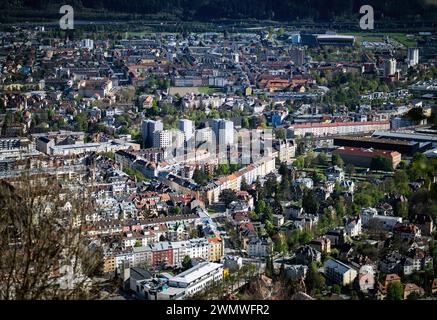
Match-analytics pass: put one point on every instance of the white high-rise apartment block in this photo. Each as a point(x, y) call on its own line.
point(390, 67)
point(298, 56)
point(168, 139)
point(186, 126)
point(224, 131)
point(87, 44)
point(413, 57)
point(205, 134)
point(148, 129)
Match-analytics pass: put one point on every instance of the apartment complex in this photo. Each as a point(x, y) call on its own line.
point(337, 128)
point(173, 253)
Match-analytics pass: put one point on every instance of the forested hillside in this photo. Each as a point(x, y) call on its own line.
point(281, 10)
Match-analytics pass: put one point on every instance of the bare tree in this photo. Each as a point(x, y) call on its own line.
point(44, 251)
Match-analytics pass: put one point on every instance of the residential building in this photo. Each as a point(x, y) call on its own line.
point(187, 127)
point(366, 278)
point(168, 139)
point(233, 263)
point(334, 173)
point(297, 55)
point(412, 287)
point(413, 57)
point(286, 151)
point(321, 244)
point(296, 272)
point(224, 131)
point(148, 128)
point(390, 67)
point(339, 272)
point(95, 88)
point(353, 227)
point(260, 247)
point(307, 254)
point(337, 128)
point(87, 44)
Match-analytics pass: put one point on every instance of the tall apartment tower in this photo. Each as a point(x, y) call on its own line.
point(148, 128)
point(413, 57)
point(187, 127)
point(390, 67)
point(298, 56)
point(168, 139)
point(224, 131)
point(87, 44)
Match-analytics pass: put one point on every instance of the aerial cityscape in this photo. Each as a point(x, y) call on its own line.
point(218, 150)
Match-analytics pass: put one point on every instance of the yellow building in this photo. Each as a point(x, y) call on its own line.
point(108, 264)
point(248, 91)
point(225, 273)
point(216, 248)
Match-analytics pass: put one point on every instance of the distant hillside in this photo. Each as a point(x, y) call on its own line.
point(280, 10)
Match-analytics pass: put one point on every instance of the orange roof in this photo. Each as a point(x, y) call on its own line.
point(392, 277)
point(214, 239)
point(338, 124)
point(364, 151)
point(165, 197)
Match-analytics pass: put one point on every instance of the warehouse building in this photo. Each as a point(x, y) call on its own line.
point(404, 147)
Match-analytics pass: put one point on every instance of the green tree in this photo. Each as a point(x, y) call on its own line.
point(268, 214)
point(227, 196)
point(336, 289)
point(281, 243)
point(395, 291)
point(222, 169)
point(81, 121)
point(322, 158)
point(244, 186)
point(269, 267)
point(245, 123)
point(319, 177)
point(260, 207)
point(186, 263)
point(413, 296)
point(269, 226)
point(200, 177)
point(299, 162)
point(175, 210)
point(415, 114)
point(253, 216)
point(310, 202)
point(337, 160)
point(280, 134)
point(309, 159)
point(314, 280)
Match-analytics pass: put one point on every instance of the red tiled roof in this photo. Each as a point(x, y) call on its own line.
point(338, 124)
point(364, 151)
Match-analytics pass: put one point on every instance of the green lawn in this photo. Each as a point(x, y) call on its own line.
point(402, 38)
point(208, 90)
point(375, 36)
point(136, 33)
